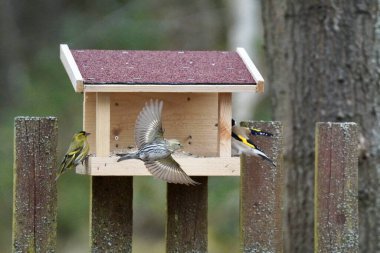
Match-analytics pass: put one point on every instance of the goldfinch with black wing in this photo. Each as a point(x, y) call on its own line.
point(242, 144)
point(153, 149)
point(76, 153)
point(254, 131)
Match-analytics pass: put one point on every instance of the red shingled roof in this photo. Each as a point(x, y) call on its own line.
point(161, 67)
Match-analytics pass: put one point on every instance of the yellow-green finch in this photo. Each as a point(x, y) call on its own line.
point(75, 154)
point(241, 143)
point(153, 149)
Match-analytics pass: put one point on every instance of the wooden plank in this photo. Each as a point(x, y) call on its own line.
point(336, 188)
point(89, 119)
point(252, 69)
point(190, 118)
point(35, 189)
point(71, 68)
point(177, 88)
point(224, 124)
point(111, 198)
point(261, 194)
point(203, 166)
point(186, 229)
point(103, 121)
point(187, 217)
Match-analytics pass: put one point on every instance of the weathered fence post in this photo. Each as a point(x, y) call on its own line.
point(261, 194)
point(111, 214)
point(35, 190)
point(111, 197)
point(187, 217)
point(336, 188)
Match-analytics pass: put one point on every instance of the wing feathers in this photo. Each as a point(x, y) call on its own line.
point(169, 170)
point(148, 124)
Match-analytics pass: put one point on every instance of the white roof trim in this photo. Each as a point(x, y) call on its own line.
point(71, 68)
point(251, 68)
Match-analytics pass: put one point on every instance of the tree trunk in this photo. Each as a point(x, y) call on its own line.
point(323, 65)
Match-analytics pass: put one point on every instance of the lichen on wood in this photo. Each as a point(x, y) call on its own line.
point(187, 217)
point(111, 214)
point(336, 188)
point(261, 193)
point(35, 190)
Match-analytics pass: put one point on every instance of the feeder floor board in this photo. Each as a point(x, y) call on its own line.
point(193, 166)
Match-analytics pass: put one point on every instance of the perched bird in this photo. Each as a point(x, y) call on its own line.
point(153, 149)
point(242, 144)
point(255, 131)
point(76, 153)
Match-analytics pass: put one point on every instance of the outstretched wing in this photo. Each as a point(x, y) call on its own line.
point(169, 170)
point(148, 124)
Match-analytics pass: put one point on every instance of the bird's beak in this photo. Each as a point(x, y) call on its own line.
point(87, 134)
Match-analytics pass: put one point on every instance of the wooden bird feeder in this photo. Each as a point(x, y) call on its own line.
point(196, 87)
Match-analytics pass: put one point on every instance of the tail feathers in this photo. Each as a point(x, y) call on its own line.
point(58, 174)
point(127, 156)
point(268, 159)
point(264, 156)
point(66, 164)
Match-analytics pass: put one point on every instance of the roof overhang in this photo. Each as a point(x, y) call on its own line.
point(80, 85)
point(71, 68)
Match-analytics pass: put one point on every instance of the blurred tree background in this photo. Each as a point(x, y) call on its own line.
point(35, 84)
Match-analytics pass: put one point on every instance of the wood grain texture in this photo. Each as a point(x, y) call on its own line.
point(262, 194)
point(191, 118)
point(186, 229)
point(336, 188)
point(111, 214)
point(203, 166)
point(89, 119)
point(35, 189)
point(111, 197)
point(224, 124)
point(103, 121)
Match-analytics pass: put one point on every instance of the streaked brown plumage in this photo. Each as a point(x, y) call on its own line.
point(153, 149)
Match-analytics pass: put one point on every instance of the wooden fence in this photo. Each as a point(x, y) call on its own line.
point(261, 196)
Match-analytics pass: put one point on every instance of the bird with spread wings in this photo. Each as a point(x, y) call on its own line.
point(153, 149)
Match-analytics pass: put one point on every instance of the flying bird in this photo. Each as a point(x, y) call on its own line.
point(153, 149)
point(241, 143)
point(75, 154)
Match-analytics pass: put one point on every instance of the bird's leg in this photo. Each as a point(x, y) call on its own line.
point(86, 158)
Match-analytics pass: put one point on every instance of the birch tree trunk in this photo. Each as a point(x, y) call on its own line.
point(323, 65)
